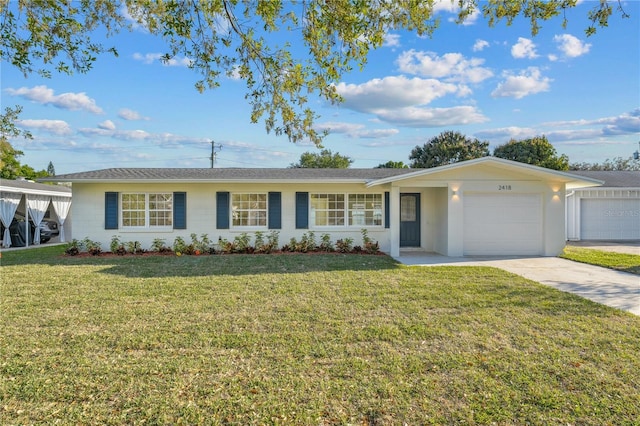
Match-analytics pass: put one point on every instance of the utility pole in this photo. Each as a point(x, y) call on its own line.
point(213, 152)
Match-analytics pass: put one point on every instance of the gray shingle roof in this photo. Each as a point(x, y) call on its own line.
point(612, 179)
point(27, 186)
point(227, 174)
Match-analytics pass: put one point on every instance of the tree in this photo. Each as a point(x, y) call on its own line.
point(536, 151)
point(10, 167)
point(232, 38)
point(8, 127)
point(392, 165)
point(447, 148)
point(51, 171)
point(618, 163)
point(324, 160)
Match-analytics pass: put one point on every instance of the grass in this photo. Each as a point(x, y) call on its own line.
point(619, 261)
point(303, 339)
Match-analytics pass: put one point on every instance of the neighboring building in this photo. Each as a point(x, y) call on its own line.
point(22, 198)
point(610, 212)
point(487, 206)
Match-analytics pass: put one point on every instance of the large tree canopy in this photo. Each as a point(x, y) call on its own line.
point(447, 148)
point(323, 160)
point(238, 38)
point(536, 151)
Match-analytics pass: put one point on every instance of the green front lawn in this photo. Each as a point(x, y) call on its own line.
point(303, 340)
point(619, 261)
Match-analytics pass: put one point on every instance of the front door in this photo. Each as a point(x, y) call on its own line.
point(409, 220)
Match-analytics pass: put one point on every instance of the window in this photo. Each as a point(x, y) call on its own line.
point(359, 210)
point(249, 209)
point(147, 210)
point(327, 209)
point(365, 210)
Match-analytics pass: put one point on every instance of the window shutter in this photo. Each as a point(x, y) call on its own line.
point(110, 210)
point(387, 210)
point(275, 210)
point(302, 210)
point(222, 210)
point(179, 210)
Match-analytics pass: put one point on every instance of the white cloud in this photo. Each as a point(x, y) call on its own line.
point(524, 48)
point(448, 6)
point(355, 130)
point(480, 45)
point(130, 115)
point(391, 40)
point(46, 96)
point(432, 117)
point(588, 132)
point(623, 124)
point(107, 125)
point(528, 82)
point(452, 67)
point(56, 127)
point(162, 140)
point(402, 101)
point(393, 92)
point(571, 46)
point(149, 58)
point(507, 133)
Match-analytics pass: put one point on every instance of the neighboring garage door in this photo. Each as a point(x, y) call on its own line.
point(502, 224)
point(609, 219)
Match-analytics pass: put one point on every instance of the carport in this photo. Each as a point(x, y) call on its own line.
point(36, 201)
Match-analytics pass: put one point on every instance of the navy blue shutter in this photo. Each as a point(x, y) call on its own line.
point(179, 210)
point(275, 210)
point(302, 210)
point(110, 210)
point(222, 210)
point(387, 210)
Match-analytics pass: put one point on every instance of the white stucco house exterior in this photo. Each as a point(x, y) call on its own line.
point(609, 212)
point(486, 206)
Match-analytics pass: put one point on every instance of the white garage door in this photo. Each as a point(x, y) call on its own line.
point(609, 219)
point(502, 224)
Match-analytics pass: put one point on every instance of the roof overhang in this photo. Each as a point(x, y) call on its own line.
point(571, 181)
point(195, 181)
point(7, 187)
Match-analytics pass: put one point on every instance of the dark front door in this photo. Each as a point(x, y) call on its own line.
point(409, 220)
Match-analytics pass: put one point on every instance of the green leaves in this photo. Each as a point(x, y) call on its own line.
point(536, 151)
point(237, 38)
point(324, 160)
point(447, 148)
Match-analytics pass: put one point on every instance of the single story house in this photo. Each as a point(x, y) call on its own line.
point(609, 212)
point(35, 201)
point(486, 206)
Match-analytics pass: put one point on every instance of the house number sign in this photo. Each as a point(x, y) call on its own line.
point(504, 187)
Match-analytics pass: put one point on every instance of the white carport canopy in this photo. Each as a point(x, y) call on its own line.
point(37, 198)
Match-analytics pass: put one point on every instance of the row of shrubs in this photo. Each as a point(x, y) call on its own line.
point(244, 243)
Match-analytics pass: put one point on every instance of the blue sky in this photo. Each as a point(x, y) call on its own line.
point(493, 84)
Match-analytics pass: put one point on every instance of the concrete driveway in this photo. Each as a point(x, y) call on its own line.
point(612, 288)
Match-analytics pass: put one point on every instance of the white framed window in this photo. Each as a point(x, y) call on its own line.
point(147, 210)
point(249, 210)
point(327, 209)
point(346, 210)
point(365, 209)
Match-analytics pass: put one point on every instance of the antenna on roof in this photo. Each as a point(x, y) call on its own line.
point(213, 152)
